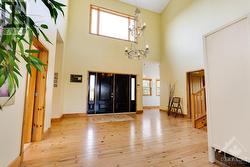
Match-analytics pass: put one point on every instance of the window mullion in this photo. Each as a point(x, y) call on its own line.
point(99, 25)
point(98, 21)
point(129, 22)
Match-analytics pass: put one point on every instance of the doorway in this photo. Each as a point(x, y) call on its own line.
point(33, 123)
point(196, 98)
point(111, 93)
point(151, 85)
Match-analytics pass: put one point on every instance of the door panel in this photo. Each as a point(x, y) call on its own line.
point(29, 104)
point(197, 81)
point(197, 98)
point(104, 93)
point(39, 109)
point(122, 93)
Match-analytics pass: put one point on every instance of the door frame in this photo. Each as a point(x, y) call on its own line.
point(188, 76)
point(114, 73)
point(43, 51)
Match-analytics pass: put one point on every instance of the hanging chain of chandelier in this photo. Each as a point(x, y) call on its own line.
point(137, 31)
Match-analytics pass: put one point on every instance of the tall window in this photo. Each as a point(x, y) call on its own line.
point(133, 87)
point(147, 87)
point(92, 88)
point(109, 23)
point(158, 87)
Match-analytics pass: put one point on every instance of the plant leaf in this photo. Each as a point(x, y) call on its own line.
point(32, 51)
point(44, 26)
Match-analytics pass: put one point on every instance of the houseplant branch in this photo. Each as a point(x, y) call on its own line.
point(17, 30)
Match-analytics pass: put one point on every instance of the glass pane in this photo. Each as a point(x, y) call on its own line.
point(94, 21)
point(158, 91)
point(146, 91)
point(146, 83)
point(92, 88)
point(133, 89)
point(113, 25)
point(158, 84)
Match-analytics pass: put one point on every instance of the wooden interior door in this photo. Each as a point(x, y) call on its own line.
point(197, 81)
point(196, 95)
point(40, 94)
point(33, 120)
point(29, 105)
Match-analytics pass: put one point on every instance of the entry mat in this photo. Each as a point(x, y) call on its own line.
point(110, 118)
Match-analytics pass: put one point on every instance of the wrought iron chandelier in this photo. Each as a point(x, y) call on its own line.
point(137, 31)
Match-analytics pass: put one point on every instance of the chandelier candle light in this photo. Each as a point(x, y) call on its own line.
point(137, 32)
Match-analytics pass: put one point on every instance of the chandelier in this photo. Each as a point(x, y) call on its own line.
point(137, 50)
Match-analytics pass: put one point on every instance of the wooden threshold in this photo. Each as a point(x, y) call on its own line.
point(151, 107)
point(139, 111)
point(68, 116)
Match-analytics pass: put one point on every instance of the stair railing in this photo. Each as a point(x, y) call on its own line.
point(198, 105)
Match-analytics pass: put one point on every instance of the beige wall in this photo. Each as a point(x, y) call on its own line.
point(184, 22)
point(86, 52)
point(57, 91)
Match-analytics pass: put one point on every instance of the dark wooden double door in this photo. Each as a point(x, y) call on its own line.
point(111, 93)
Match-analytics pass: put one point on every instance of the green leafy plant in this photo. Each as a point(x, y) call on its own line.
point(17, 32)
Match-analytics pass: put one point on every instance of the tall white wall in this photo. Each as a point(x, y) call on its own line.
point(151, 70)
point(184, 22)
point(11, 118)
point(58, 91)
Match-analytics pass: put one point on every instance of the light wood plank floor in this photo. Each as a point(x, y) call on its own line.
point(151, 140)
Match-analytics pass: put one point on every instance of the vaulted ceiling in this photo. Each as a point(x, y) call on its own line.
point(153, 5)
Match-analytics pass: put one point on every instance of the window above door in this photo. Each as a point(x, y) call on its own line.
point(109, 23)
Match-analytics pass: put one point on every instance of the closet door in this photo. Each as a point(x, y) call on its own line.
point(122, 93)
point(228, 82)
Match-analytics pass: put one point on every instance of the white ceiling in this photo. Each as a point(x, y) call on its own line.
point(153, 5)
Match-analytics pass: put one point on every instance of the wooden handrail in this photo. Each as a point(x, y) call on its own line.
point(199, 91)
point(198, 105)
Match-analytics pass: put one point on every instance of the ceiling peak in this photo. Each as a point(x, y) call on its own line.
point(153, 5)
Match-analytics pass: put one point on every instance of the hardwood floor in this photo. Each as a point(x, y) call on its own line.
point(150, 140)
